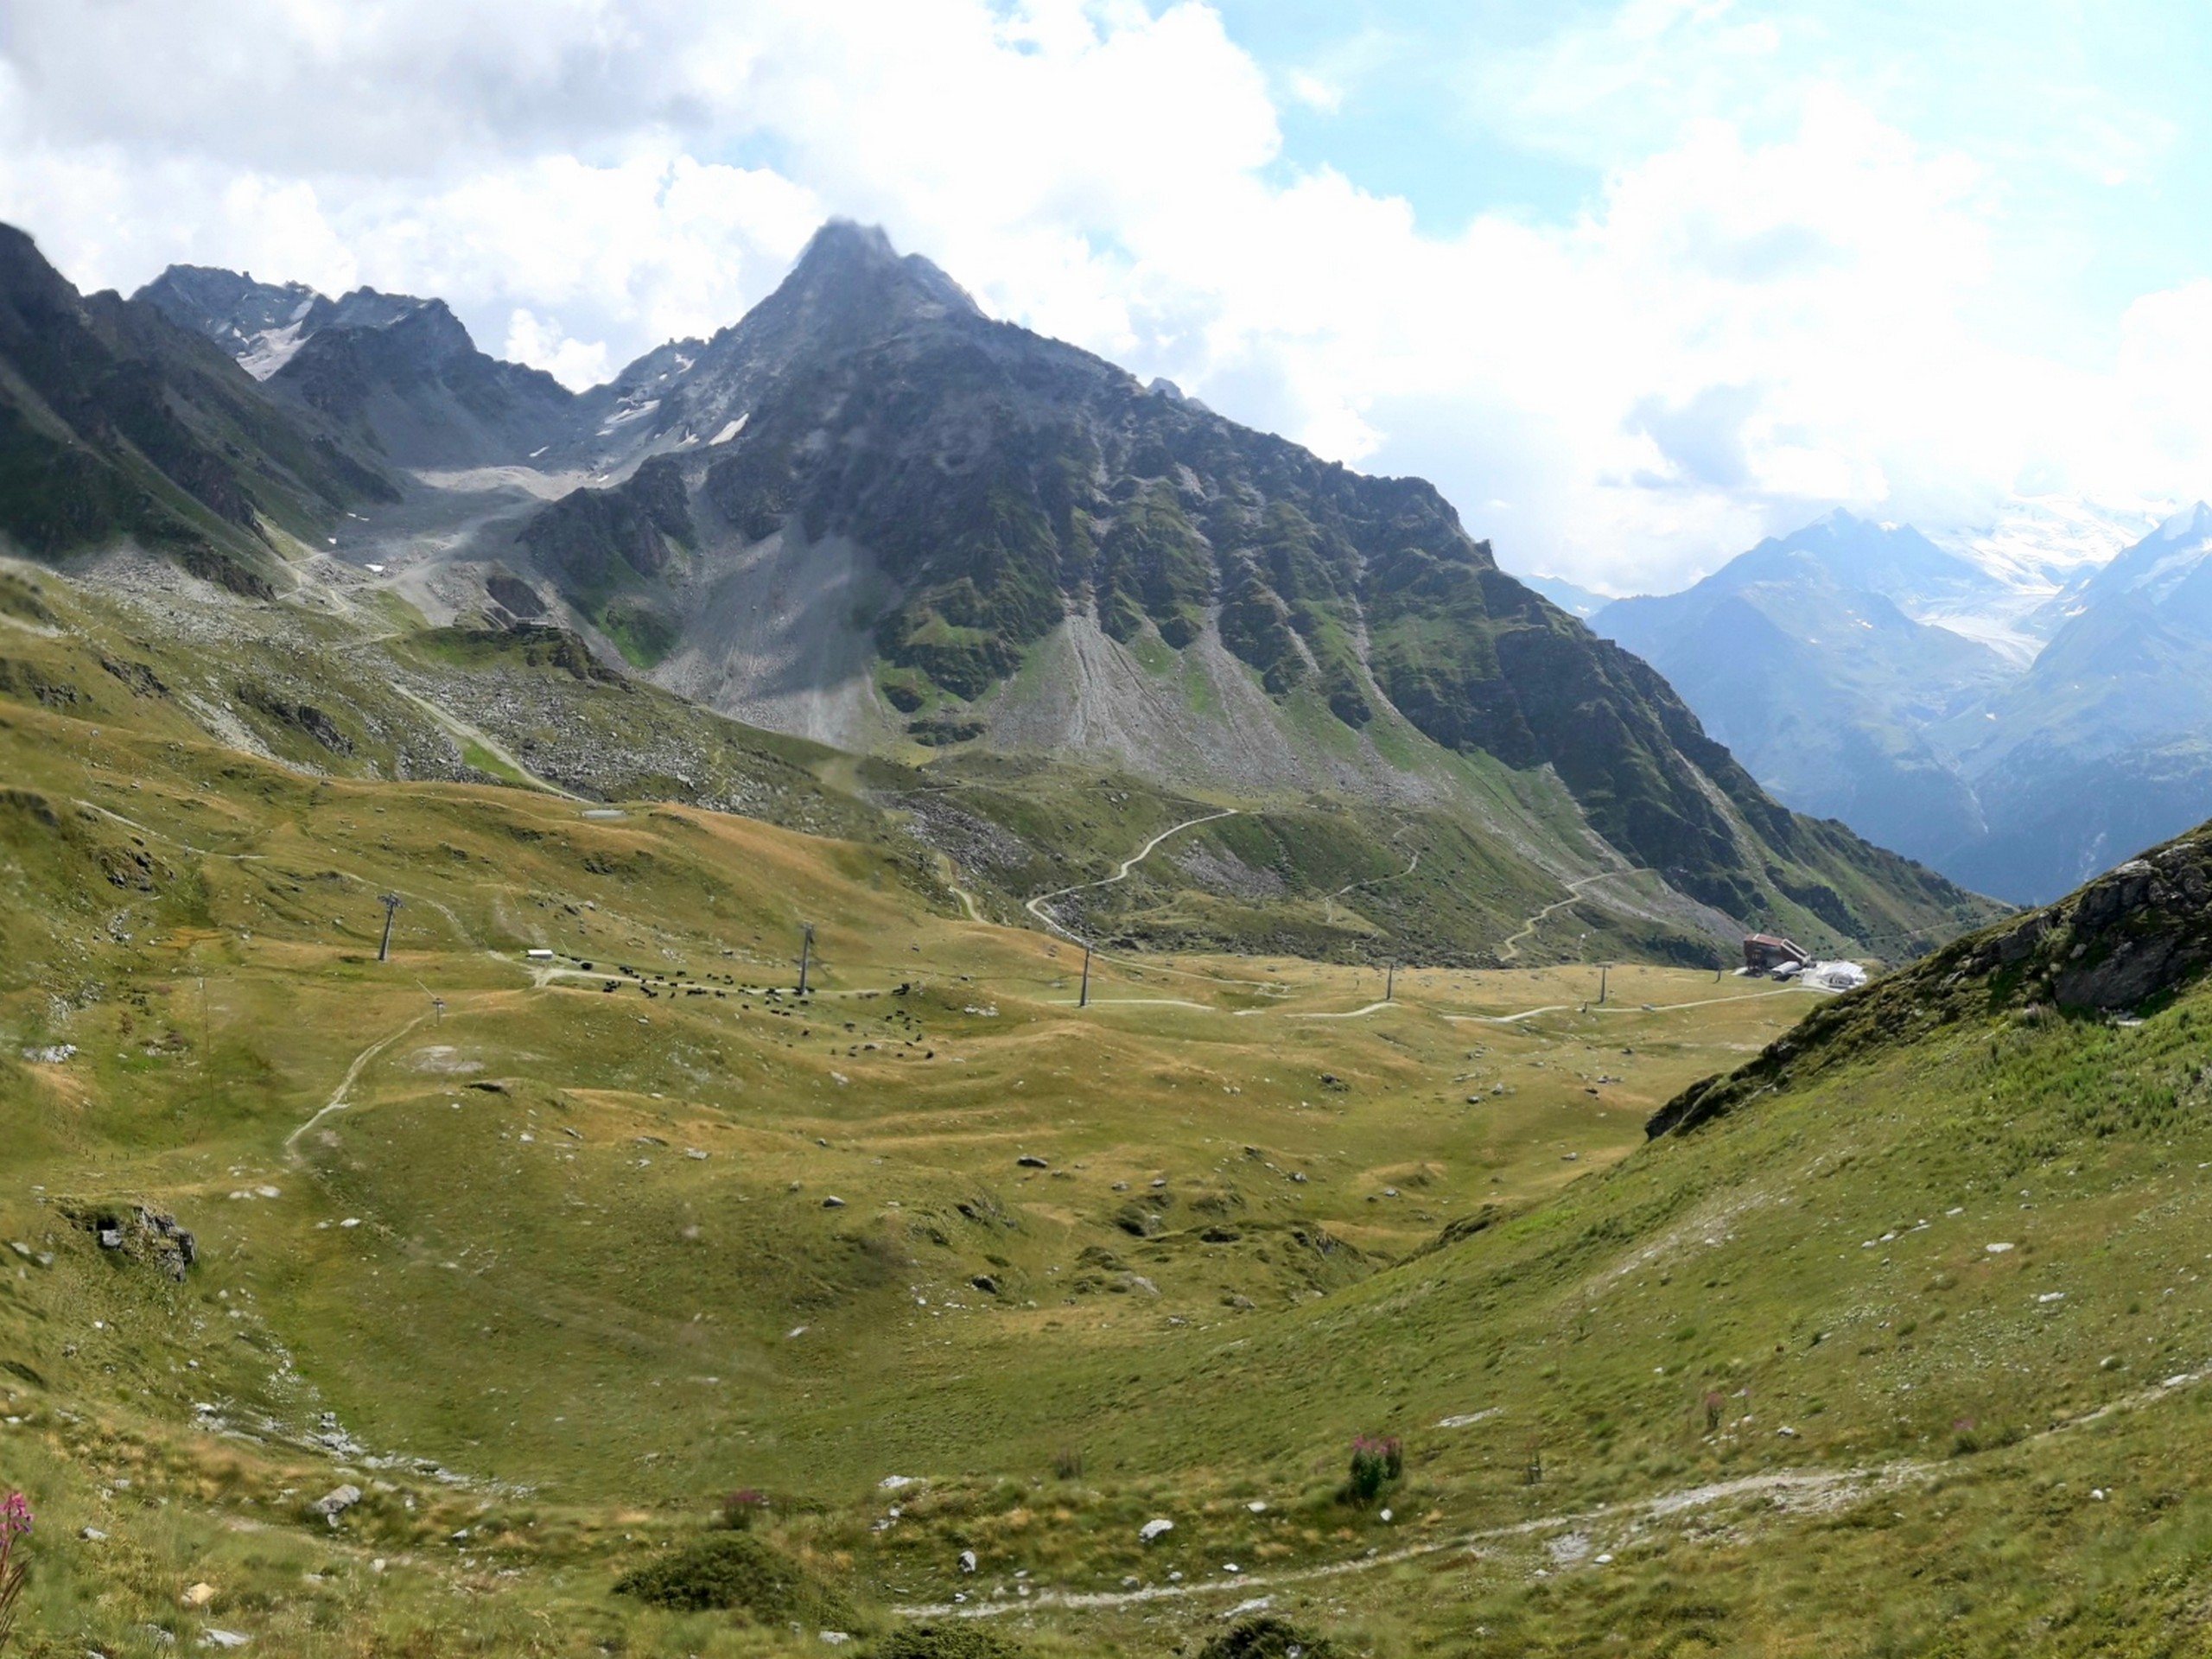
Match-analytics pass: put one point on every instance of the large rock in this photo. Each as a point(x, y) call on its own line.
point(332, 1504)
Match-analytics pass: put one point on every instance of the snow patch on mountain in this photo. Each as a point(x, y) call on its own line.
point(270, 350)
point(2037, 549)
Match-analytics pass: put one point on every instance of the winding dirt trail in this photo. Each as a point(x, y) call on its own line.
point(1511, 947)
point(1809, 1488)
point(1036, 906)
point(337, 1103)
point(460, 930)
point(1329, 912)
point(1619, 1007)
point(1821, 1488)
point(456, 727)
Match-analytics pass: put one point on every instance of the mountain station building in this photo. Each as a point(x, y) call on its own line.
point(1764, 952)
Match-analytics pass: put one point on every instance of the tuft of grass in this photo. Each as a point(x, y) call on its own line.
point(1267, 1638)
point(967, 1640)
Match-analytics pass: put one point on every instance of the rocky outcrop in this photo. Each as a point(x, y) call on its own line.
point(138, 1233)
point(595, 540)
point(2133, 937)
point(416, 390)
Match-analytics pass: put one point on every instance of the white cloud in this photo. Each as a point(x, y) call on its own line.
point(1757, 317)
point(542, 345)
point(1314, 91)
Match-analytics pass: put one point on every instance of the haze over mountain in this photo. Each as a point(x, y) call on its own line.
point(1575, 602)
point(1803, 657)
point(869, 515)
point(2101, 747)
point(2017, 731)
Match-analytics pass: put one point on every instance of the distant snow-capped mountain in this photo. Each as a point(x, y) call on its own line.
point(265, 324)
point(1804, 656)
point(394, 373)
point(2037, 549)
point(2019, 707)
point(2047, 541)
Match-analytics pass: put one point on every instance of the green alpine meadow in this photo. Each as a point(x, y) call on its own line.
point(965, 831)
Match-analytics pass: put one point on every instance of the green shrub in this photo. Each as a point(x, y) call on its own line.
point(1267, 1638)
point(741, 1509)
point(1375, 1464)
point(967, 1639)
point(738, 1571)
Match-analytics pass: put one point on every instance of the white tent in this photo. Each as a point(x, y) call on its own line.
point(1834, 976)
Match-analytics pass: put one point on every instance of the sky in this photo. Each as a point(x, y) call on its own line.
point(1635, 284)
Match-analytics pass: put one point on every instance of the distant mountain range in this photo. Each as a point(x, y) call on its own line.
point(1575, 602)
point(394, 373)
point(2018, 726)
point(870, 514)
point(1800, 656)
point(114, 425)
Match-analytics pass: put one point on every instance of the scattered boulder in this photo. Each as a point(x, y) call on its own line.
point(518, 595)
point(1152, 1529)
point(1031, 1160)
point(1139, 1221)
point(333, 1503)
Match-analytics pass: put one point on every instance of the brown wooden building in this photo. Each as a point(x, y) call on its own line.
point(1764, 952)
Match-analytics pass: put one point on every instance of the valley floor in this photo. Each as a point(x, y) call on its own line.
point(573, 1216)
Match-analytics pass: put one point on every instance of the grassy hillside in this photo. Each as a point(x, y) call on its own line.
point(546, 1255)
point(344, 680)
point(465, 1258)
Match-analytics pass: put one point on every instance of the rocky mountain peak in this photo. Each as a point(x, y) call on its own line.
point(226, 304)
point(30, 288)
point(431, 330)
point(2190, 524)
point(850, 274)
